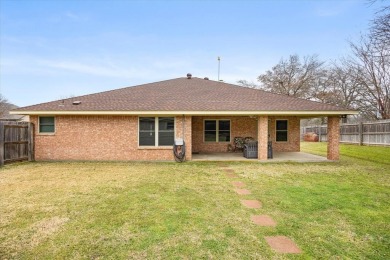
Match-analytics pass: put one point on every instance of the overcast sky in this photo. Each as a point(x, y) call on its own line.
point(60, 48)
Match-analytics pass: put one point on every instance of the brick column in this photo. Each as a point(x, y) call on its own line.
point(262, 137)
point(187, 133)
point(333, 137)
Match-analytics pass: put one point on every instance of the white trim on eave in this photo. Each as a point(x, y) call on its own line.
point(190, 113)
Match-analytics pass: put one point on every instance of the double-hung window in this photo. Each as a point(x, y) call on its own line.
point(281, 130)
point(217, 130)
point(46, 124)
point(156, 131)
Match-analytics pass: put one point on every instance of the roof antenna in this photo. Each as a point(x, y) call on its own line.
point(219, 65)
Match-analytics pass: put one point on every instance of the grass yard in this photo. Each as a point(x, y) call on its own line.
point(170, 210)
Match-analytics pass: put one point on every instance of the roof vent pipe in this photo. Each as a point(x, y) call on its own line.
point(189, 75)
point(76, 103)
point(206, 78)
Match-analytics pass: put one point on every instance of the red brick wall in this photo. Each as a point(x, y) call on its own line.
point(116, 138)
point(100, 138)
point(293, 138)
point(239, 126)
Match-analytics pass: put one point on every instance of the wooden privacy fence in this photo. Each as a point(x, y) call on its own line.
point(16, 142)
point(364, 133)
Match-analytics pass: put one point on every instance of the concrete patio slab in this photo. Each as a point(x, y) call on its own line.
point(252, 204)
point(277, 157)
point(263, 220)
point(242, 191)
point(282, 244)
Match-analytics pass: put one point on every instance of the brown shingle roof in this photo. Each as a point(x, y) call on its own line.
point(183, 94)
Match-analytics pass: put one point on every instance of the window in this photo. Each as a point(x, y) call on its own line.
point(281, 130)
point(46, 124)
point(156, 131)
point(217, 130)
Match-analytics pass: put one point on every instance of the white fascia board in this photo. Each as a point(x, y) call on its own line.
point(191, 113)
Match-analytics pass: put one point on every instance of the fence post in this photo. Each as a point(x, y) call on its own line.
point(319, 133)
point(361, 133)
point(31, 155)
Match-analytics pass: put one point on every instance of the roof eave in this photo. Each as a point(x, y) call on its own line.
point(193, 113)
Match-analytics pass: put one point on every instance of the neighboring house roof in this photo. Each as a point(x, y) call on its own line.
point(194, 96)
point(6, 116)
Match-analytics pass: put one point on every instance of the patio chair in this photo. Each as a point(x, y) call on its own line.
point(238, 143)
point(248, 139)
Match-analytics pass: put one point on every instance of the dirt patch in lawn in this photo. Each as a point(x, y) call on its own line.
point(45, 228)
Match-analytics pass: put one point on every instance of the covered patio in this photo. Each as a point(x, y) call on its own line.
point(213, 138)
point(277, 157)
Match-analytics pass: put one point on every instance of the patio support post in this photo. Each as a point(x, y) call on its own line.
point(262, 137)
point(333, 137)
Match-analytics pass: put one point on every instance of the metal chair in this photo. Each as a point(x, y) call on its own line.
point(238, 143)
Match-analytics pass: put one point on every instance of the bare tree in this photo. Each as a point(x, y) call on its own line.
point(372, 61)
point(380, 29)
point(380, 25)
point(292, 76)
point(4, 105)
point(247, 84)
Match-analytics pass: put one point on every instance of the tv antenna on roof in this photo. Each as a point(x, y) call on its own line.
point(219, 66)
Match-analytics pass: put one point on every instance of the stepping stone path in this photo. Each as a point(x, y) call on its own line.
point(263, 220)
point(242, 191)
point(280, 244)
point(229, 170)
point(238, 184)
point(230, 173)
point(252, 204)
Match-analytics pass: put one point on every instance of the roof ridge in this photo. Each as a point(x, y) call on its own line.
point(184, 94)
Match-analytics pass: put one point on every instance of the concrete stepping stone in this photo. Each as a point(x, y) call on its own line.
point(223, 165)
point(242, 191)
point(282, 244)
point(238, 184)
point(263, 220)
point(252, 204)
point(231, 175)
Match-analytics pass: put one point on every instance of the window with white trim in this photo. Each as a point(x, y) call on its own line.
point(46, 124)
point(156, 131)
point(281, 130)
point(217, 130)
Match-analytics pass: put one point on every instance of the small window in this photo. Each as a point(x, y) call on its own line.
point(46, 124)
point(217, 130)
point(156, 130)
point(210, 130)
point(166, 131)
point(281, 130)
point(147, 131)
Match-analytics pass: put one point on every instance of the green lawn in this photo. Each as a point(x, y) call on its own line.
point(170, 210)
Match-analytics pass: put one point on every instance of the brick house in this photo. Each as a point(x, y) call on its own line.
point(141, 122)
